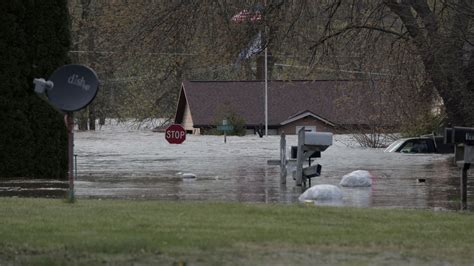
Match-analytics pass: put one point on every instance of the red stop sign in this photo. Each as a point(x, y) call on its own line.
point(175, 134)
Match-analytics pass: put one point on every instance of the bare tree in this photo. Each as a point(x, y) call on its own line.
point(437, 33)
point(144, 49)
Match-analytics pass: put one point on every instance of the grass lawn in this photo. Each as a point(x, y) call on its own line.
point(90, 232)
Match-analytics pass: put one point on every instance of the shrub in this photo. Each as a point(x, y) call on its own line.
point(34, 41)
point(425, 123)
point(234, 119)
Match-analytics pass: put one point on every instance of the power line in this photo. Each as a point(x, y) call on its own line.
point(339, 70)
point(129, 53)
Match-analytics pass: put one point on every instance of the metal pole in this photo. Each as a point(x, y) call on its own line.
point(266, 79)
point(266, 94)
point(466, 167)
point(70, 134)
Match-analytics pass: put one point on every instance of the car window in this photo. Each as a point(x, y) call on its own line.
point(412, 145)
point(416, 146)
point(395, 145)
point(407, 147)
point(419, 146)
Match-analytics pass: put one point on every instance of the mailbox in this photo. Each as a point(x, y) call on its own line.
point(320, 140)
point(312, 154)
point(468, 154)
point(463, 138)
point(459, 135)
point(310, 144)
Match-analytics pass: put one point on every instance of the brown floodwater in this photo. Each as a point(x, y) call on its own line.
point(116, 162)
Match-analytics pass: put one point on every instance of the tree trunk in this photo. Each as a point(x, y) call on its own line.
point(456, 93)
point(82, 121)
point(92, 117)
point(448, 69)
point(443, 54)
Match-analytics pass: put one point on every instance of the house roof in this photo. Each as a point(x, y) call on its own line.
point(304, 114)
point(343, 102)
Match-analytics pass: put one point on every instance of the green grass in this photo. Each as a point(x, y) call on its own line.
point(45, 232)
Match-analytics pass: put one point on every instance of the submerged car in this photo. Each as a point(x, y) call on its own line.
point(423, 144)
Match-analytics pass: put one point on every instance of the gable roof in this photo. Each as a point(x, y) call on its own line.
point(343, 102)
point(304, 114)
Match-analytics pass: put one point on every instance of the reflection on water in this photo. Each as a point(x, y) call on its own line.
point(119, 163)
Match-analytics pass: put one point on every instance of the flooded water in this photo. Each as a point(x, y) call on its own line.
point(117, 162)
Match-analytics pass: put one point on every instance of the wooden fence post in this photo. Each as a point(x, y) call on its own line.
point(299, 157)
point(283, 172)
point(465, 167)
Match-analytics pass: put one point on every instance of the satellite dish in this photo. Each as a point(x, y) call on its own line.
point(75, 86)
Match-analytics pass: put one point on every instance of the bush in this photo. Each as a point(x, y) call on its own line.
point(234, 119)
point(34, 41)
point(426, 123)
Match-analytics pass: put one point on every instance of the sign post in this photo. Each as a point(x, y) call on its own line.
point(463, 138)
point(175, 134)
point(225, 127)
point(69, 120)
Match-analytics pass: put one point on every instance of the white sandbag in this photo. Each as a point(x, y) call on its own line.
point(321, 192)
point(359, 178)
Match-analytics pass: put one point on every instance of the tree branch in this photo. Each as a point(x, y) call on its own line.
point(402, 10)
point(356, 27)
point(431, 25)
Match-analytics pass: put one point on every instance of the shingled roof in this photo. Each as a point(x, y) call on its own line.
point(341, 102)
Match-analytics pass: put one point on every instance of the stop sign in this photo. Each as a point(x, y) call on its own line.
point(175, 134)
